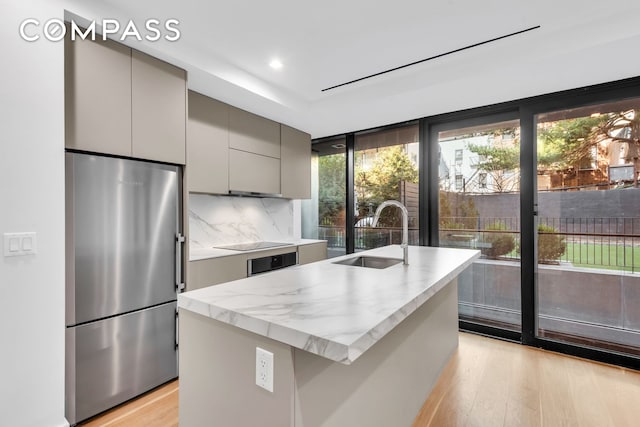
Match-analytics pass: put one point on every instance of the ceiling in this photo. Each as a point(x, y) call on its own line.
point(226, 47)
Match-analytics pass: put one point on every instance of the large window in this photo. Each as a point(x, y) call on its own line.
point(324, 216)
point(480, 210)
point(386, 168)
point(547, 189)
point(588, 225)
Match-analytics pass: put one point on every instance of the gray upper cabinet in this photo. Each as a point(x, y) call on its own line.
point(208, 145)
point(295, 163)
point(254, 134)
point(123, 102)
point(158, 102)
point(249, 172)
point(98, 96)
point(232, 150)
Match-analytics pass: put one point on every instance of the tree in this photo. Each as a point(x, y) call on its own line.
point(626, 125)
point(501, 164)
point(331, 189)
point(570, 143)
point(382, 182)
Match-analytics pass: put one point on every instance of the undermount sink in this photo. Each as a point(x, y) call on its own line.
point(370, 261)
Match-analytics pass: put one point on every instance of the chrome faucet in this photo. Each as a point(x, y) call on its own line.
point(405, 226)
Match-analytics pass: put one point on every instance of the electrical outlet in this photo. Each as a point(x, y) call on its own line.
point(264, 369)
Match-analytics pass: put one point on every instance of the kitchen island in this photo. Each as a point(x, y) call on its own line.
point(352, 345)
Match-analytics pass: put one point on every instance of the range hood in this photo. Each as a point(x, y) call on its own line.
point(252, 246)
point(253, 194)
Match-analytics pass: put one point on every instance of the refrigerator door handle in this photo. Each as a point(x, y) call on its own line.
point(176, 326)
point(179, 242)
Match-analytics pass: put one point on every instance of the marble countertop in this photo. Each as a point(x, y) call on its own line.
point(335, 311)
point(196, 254)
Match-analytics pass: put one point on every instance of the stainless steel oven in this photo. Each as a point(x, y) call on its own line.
point(271, 262)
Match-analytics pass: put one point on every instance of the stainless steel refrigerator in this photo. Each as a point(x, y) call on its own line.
point(123, 272)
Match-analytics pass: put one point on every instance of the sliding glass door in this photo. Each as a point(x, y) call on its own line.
point(588, 226)
point(479, 208)
point(324, 215)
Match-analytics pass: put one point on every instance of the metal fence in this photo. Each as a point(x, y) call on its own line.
point(608, 243)
point(366, 237)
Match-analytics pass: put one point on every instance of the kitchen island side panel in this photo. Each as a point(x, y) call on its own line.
point(217, 376)
point(385, 386)
point(390, 382)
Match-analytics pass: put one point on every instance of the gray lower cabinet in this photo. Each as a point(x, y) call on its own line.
point(213, 271)
point(250, 172)
point(208, 145)
point(312, 252)
point(295, 163)
point(97, 96)
point(159, 105)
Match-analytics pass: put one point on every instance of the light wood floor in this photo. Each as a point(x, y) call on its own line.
point(494, 383)
point(487, 383)
point(158, 408)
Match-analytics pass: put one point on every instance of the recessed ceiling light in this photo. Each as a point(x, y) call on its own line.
point(276, 64)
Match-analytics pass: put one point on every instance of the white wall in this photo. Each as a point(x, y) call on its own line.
point(32, 199)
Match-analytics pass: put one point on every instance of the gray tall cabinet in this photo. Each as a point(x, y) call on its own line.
point(123, 102)
point(295, 163)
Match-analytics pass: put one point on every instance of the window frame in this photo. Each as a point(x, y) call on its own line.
point(526, 109)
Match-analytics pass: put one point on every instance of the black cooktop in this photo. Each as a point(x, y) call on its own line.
point(252, 246)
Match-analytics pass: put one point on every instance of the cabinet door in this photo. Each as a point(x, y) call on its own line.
point(213, 271)
point(254, 134)
point(207, 145)
point(312, 252)
point(295, 163)
point(250, 172)
point(159, 96)
point(98, 96)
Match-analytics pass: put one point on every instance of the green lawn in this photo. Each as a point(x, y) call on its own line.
point(589, 255)
point(611, 257)
point(608, 257)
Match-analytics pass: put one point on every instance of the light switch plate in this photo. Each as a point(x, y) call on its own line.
point(20, 244)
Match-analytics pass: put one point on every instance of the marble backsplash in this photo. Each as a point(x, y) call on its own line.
point(224, 220)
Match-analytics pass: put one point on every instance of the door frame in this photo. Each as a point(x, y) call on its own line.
point(526, 110)
point(430, 235)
